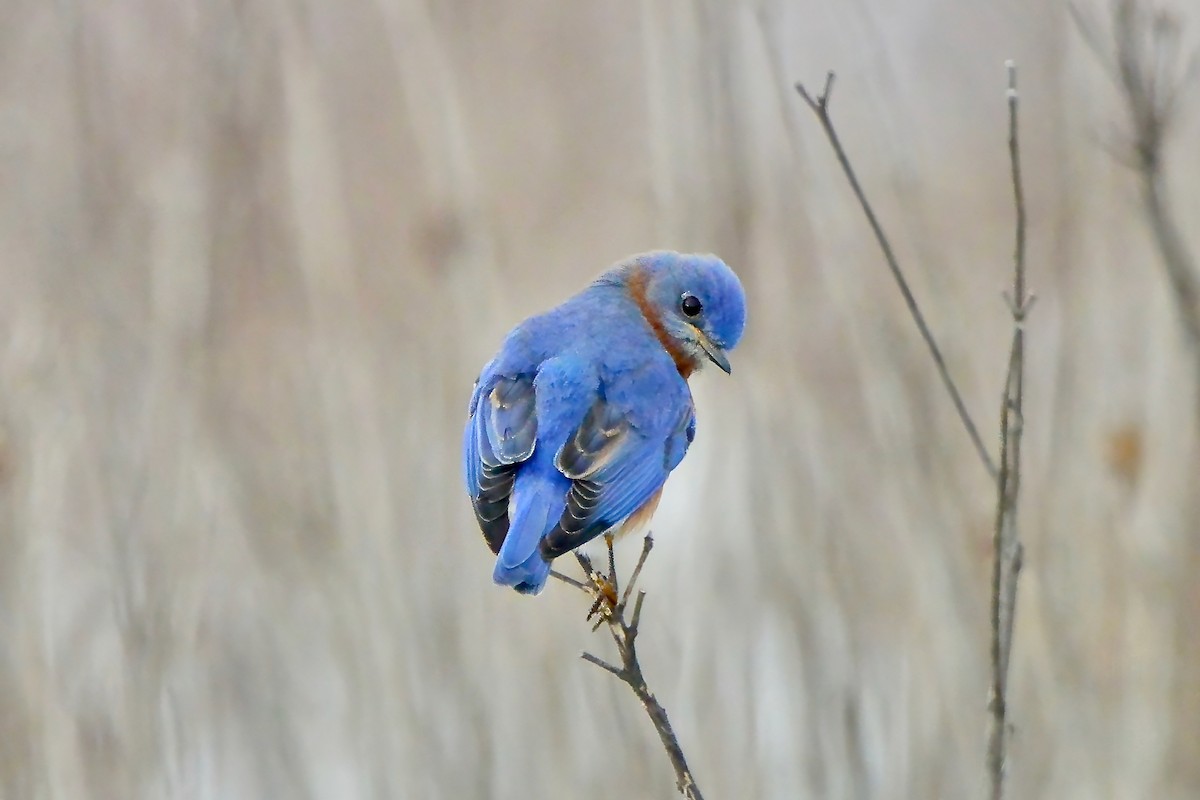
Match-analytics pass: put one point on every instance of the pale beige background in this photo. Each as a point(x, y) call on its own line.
point(252, 254)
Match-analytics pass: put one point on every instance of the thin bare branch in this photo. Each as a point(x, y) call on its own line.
point(647, 545)
point(602, 664)
point(603, 590)
point(820, 107)
point(1008, 610)
point(567, 579)
point(1008, 553)
point(637, 610)
point(1020, 298)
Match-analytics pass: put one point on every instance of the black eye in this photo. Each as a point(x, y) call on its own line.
point(691, 305)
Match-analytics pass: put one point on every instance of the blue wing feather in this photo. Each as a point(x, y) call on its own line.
point(616, 468)
point(500, 435)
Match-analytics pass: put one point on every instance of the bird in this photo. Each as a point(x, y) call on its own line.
point(575, 424)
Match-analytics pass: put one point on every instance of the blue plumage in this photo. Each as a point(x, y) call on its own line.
point(578, 420)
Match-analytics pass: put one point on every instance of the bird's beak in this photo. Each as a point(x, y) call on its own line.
point(715, 353)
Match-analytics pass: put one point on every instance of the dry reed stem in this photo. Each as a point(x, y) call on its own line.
point(1008, 552)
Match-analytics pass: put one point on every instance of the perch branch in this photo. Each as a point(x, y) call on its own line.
point(820, 107)
point(611, 611)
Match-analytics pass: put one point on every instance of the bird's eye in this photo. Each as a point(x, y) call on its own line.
point(690, 305)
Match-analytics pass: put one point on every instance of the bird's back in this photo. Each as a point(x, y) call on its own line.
point(600, 324)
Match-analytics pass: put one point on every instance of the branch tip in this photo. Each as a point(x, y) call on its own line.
point(602, 664)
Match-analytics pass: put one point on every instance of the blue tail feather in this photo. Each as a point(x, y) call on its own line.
point(534, 509)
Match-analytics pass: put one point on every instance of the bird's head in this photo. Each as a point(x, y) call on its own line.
point(695, 303)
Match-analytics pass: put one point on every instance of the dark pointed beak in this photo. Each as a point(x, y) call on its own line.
point(714, 352)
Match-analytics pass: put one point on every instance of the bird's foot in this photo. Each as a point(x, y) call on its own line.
point(603, 589)
point(608, 601)
point(605, 604)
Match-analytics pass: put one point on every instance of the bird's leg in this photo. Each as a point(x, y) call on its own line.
point(602, 588)
point(607, 585)
point(608, 602)
point(606, 588)
point(612, 569)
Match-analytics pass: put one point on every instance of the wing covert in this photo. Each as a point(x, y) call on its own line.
point(614, 468)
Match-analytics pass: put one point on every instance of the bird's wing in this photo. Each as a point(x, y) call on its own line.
point(500, 435)
point(615, 467)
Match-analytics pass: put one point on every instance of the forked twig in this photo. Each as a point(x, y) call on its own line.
point(820, 107)
point(610, 610)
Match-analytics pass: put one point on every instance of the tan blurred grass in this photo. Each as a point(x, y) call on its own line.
point(255, 252)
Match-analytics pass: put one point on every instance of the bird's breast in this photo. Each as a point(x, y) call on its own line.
point(639, 520)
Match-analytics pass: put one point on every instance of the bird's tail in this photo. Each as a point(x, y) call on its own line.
point(534, 509)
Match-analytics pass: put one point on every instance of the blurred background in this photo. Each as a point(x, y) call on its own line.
point(255, 252)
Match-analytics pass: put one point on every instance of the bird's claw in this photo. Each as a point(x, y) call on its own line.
point(603, 588)
point(608, 601)
point(605, 592)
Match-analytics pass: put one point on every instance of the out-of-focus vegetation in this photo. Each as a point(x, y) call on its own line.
point(255, 252)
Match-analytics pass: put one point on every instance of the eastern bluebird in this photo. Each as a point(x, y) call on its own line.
point(575, 424)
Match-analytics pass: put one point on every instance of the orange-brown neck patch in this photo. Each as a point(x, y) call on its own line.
point(637, 290)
